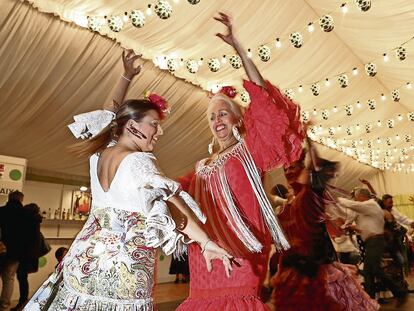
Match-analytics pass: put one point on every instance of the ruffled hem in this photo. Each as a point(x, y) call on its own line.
point(274, 130)
point(334, 289)
point(224, 303)
point(67, 299)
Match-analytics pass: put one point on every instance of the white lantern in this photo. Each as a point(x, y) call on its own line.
point(289, 93)
point(326, 23)
point(192, 66)
point(115, 23)
point(296, 39)
point(363, 5)
point(343, 80)
point(401, 53)
point(137, 18)
point(214, 64)
point(172, 65)
point(163, 9)
point(315, 88)
point(395, 94)
point(235, 61)
point(264, 53)
point(372, 104)
point(371, 69)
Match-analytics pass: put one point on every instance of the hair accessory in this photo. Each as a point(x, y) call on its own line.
point(159, 101)
point(229, 91)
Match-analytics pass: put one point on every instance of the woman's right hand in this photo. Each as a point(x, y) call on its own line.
point(128, 59)
point(213, 251)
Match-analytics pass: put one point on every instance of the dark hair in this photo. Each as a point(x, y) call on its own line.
point(134, 109)
point(59, 252)
point(16, 195)
point(279, 190)
point(32, 207)
point(386, 197)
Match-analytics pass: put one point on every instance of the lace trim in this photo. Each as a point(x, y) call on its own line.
point(208, 169)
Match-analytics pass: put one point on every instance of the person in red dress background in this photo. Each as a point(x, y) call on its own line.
point(229, 188)
point(309, 276)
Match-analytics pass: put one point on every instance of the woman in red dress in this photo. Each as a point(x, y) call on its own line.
point(229, 188)
point(309, 276)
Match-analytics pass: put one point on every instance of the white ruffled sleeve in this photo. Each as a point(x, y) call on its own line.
point(160, 228)
point(89, 124)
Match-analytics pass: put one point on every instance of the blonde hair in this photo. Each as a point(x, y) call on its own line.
point(134, 109)
point(235, 108)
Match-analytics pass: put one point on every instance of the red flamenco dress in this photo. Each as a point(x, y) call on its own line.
point(309, 276)
point(239, 215)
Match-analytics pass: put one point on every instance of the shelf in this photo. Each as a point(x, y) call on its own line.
point(62, 222)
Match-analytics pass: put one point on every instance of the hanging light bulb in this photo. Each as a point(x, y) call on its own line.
point(148, 11)
point(335, 109)
point(409, 86)
point(378, 140)
point(223, 59)
point(327, 82)
point(383, 97)
point(249, 53)
point(200, 62)
point(379, 124)
point(125, 17)
point(339, 128)
point(278, 43)
point(397, 137)
point(358, 104)
point(344, 8)
point(314, 112)
point(386, 58)
point(358, 127)
point(400, 117)
point(300, 89)
point(355, 71)
point(311, 27)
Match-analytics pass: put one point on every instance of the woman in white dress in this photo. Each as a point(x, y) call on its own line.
point(111, 263)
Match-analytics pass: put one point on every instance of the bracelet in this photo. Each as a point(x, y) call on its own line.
point(126, 78)
point(204, 247)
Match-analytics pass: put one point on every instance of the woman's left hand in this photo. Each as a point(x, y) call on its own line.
point(128, 59)
point(229, 37)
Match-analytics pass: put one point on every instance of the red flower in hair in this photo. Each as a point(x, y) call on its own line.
point(159, 101)
point(229, 91)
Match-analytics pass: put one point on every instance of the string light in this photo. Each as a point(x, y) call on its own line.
point(386, 58)
point(355, 71)
point(327, 82)
point(249, 53)
point(125, 18)
point(409, 86)
point(300, 89)
point(383, 97)
point(335, 109)
point(278, 43)
point(148, 11)
point(344, 8)
point(311, 27)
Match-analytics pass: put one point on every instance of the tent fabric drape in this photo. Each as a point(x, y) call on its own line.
point(53, 69)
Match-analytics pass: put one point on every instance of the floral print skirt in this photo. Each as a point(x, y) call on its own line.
point(108, 267)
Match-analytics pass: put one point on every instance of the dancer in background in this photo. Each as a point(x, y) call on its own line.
point(309, 275)
point(228, 186)
point(111, 263)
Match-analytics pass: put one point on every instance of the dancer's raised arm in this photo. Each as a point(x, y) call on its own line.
point(130, 71)
point(230, 38)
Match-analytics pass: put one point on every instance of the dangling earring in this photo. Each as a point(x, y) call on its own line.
point(211, 146)
point(236, 133)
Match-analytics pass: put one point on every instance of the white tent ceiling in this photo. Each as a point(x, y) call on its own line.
point(52, 69)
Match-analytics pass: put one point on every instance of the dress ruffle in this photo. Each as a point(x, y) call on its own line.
point(333, 289)
point(274, 130)
point(224, 303)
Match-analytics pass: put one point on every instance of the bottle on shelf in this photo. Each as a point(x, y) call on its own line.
point(44, 215)
point(49, 214)
point(57, 216)
point(70, 215)
point(63, 215)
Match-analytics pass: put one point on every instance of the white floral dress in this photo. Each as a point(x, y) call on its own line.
point(110, 265)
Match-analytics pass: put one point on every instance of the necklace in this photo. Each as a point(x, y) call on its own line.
point(221, 151)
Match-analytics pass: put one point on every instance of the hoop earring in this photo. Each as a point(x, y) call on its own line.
point(236, 133)
point(211, 147)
